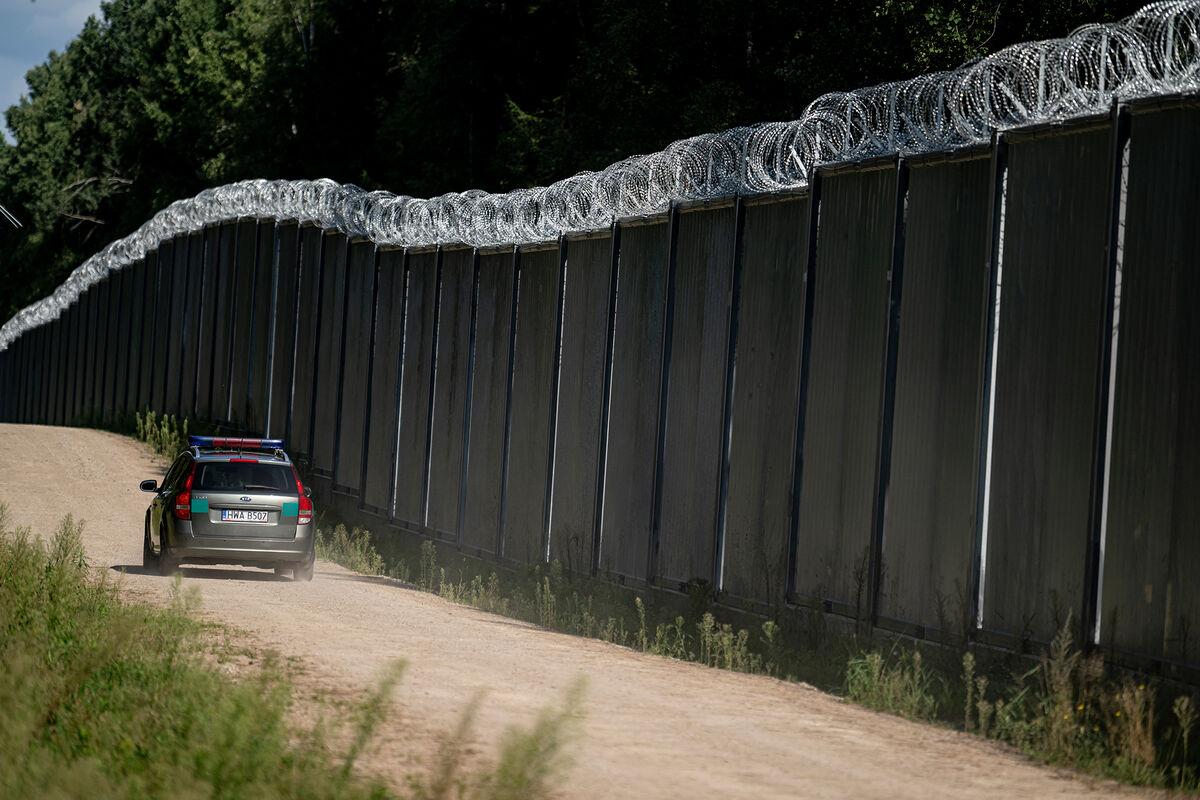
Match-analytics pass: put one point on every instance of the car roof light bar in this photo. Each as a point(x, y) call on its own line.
point(235, 443)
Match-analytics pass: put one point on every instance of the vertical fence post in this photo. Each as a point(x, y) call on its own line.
point(466, 437)
point(209, 401)
point(433, 371)
point(731, 338)
point(883, 460)
point(810, 279)
point(555, 372)
point(1106, 385)
point(508, 395)
point(399, 395)
point(606, 398)
point(366, 435)
point(341, 369)
point(316, 353)
point(663, 395)
point(291, 382)
point(187, 333)
point(273, 323)
point(991, 321)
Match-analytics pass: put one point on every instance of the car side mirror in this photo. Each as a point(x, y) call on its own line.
point(148, 486)
point(308, 491)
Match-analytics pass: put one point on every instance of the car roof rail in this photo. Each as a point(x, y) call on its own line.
point(236, 443)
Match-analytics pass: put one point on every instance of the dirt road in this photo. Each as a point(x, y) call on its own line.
point(654, 728)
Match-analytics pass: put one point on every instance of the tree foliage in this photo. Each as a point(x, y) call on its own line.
point(158, 99)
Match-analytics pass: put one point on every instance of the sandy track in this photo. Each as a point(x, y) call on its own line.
point(653, 727)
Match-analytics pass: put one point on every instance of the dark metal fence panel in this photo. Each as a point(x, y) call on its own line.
point(262, 322)
point(532, 379)
point(633, 409)
point(41, 374)
point(98, 371)
point(379, 480)
point(83, 335)
point(95, 347)
point(46, 373)
point(419, 338)
point(450, 392)
point(177, 332)
point(33, 367)
point(6, 385)
point(309, 304)
point(50, 370)
point(929, 523)
point(21, 383)
point(696, 397)
point(121, 343)
point(193, 331)
point(137, 335)
point(287, 236)
point(1150, 594)
point(489, 404)
point(28, 376)
point(149, 334)
point(224, 319)
point(241, 314)
point(61, 342)
point(53, 351)
point(1051, 311)
point(354, 357)
point(329, 352)
point(765, 400)
point(849, 330)
point(580, 401)
point(209, 281)
point(162, 326)
point(67, 368)
point(112, 335)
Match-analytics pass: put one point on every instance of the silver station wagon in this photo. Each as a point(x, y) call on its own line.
point(230, 501)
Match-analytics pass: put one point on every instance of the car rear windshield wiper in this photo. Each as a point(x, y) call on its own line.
point(259, 486)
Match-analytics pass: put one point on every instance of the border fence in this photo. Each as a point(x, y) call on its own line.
point(957, 388)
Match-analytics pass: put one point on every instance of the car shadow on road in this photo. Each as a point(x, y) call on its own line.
point(208, 573)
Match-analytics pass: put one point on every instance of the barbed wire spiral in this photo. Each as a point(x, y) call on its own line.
point(1156, 51)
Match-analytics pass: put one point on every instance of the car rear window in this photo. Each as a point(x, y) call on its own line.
point(221, 476)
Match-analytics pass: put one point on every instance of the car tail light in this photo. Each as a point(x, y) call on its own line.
point(306, 508)
point(183, 500)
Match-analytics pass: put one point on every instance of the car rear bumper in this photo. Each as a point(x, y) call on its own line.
point(187, 547)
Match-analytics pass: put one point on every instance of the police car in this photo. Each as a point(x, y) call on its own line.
point(230, 501)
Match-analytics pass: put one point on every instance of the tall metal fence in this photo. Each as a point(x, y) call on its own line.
point(959, 389)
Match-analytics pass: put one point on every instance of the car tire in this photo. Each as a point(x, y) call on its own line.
point(149, 559)
point(304, 572)
point(167, 566)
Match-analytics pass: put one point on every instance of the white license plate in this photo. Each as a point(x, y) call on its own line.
point(237, 515)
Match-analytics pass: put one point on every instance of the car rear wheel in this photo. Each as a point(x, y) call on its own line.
point(167, 565)
point(304, 572)
point(149, 560)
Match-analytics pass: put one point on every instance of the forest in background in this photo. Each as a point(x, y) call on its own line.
point(160, 99)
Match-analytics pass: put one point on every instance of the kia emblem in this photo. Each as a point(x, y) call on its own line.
point(246, 499)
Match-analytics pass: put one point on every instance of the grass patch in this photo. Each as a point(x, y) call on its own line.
point(107, 699)
point(1064, 709)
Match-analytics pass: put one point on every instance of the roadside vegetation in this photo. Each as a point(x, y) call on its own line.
point(104, 698)
point(166, 434)
point(1063, 707)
